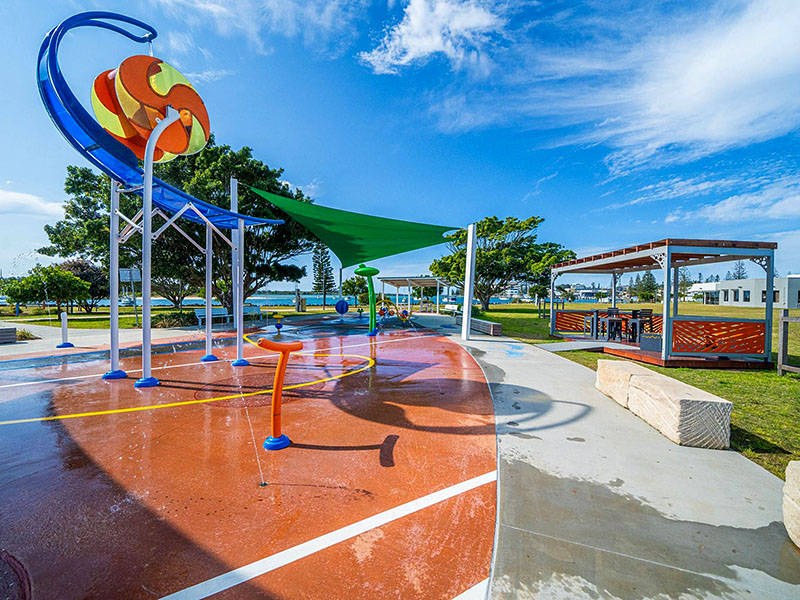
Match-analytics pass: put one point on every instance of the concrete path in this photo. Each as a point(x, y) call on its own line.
point(580, 345)
point(594, 503)
point(82, 338)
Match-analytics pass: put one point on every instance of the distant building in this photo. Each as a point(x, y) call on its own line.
point(750, 292)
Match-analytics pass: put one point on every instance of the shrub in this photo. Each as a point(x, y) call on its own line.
point(174, 319)
point(24, 334)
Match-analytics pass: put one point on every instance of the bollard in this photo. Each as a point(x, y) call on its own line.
point(64, 333)
point(277, 440)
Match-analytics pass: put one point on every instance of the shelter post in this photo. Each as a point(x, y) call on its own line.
point(675, 290)
point(209, 356)
point(113, 280)
point(614, 289)
point(437, 296)
point(666, 328)
point(340, 283)
point(553, 276)
point(469, 282)
point(769, 260)
point(147, 379)
point(408, 298)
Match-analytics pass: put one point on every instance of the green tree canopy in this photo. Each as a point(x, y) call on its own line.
point(47, 284)
point(178, 267)
point(506, 250)
point(97, 278)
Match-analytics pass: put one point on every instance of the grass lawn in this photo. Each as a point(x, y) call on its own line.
point(765, 424)
point(127, 319)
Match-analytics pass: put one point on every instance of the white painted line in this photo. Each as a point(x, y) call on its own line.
point(194, 364)
point(270, 563)
point(476, 592)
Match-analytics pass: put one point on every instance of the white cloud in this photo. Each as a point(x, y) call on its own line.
point(654, 84)
point(208, 75)
point(774, 201)
point(456, 29)
point(326, 25)
point(19, 203)
point(180, 42)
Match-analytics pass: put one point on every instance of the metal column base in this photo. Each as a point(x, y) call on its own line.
point(118, 374)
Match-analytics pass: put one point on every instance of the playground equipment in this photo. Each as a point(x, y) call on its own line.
point(342, 307)
point(387, 308)
point(278, 440)
point(65, 343)
point(278, 318)
point(369, 273)
point(145, 110)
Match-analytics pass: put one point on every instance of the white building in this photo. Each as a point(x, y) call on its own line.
point(750, 292)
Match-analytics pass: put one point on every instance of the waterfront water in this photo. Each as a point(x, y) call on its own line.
point(288, 300)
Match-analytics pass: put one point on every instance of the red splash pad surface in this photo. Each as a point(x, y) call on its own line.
point(148, 502)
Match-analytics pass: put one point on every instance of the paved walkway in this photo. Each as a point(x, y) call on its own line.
point(594, 503)
point(88, 339)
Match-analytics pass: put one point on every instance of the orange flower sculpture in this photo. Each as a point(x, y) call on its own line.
point(129, 101)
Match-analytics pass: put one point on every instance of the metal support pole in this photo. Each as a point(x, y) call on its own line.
point(614, 290)
point(209, 356)
point(408, 298)
point(552, 301)
point(437, 296)
point(666, 328)
point(770, 268)
point(340, 282)
point(469, 282)
point(113, 284)
point(240, 360)
point(783, 340)
point(65, 343)
point(234, 253)
point(147, 379)
point(675, 290)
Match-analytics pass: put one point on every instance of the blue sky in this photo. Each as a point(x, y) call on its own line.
point(619, 122)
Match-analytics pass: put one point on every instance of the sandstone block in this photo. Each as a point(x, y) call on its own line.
point(613, 378)
point(791, 502)
point(684, 414)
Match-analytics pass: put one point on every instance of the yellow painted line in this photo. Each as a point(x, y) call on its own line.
point(369, 364)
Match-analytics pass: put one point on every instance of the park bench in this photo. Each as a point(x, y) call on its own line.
point(8, 335)
point(682, 413)
point(216, 313)
point(253, 312)
point(482, 326)
point(451, 308)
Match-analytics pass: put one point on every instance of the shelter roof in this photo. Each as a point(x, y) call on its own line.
point(684, 252)
point(428, 281)
point(357, 238)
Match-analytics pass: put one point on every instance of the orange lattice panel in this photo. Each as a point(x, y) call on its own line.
point(718, 337)
point(570, 321)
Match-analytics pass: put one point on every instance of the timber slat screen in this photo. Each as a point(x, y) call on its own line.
point(718, 336)
point(572, 321)
point(783, 343)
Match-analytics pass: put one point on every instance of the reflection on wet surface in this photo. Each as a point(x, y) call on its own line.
point(144, 503)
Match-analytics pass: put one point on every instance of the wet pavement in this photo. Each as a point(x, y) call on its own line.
point(111, 492)
point(594, 503)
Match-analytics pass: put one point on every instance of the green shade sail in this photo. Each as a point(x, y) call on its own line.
point(355, 238)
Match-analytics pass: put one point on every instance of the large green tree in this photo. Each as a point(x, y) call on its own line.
point(47, 284)
point(97, 278)
point(355, 286)
point(322, 271)
point(178, 267)
point(507, 250)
